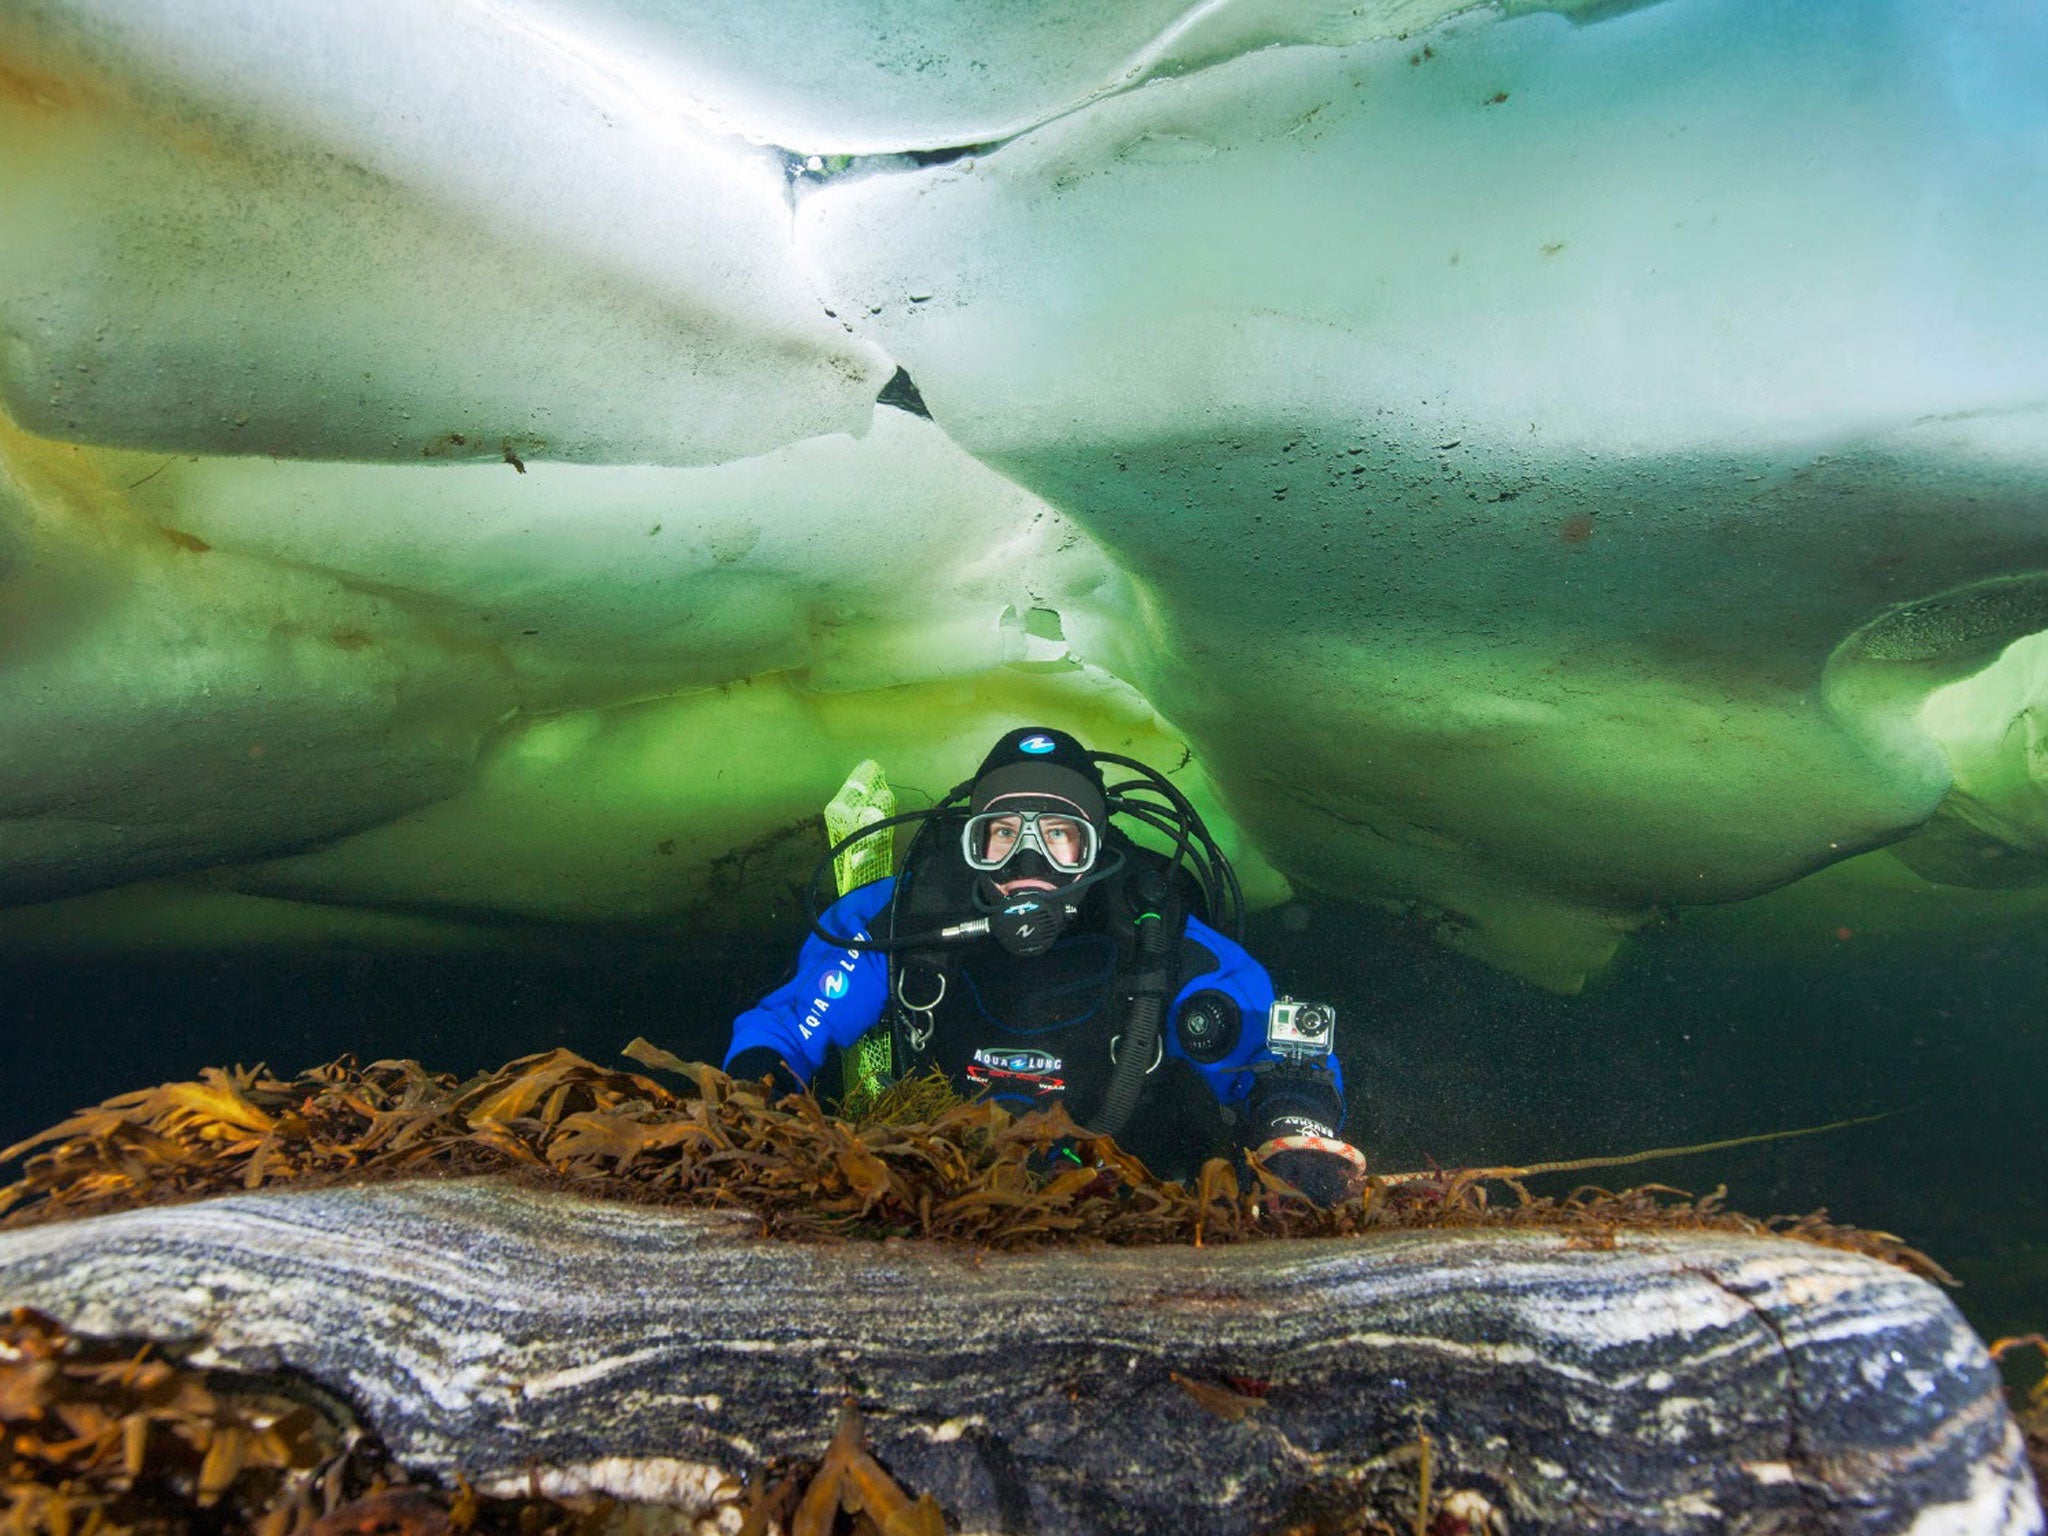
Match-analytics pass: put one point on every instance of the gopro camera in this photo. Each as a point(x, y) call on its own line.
point(1299, 1031)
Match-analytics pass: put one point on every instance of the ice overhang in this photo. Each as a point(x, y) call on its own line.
point(1504, 457)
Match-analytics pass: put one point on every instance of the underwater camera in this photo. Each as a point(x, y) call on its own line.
point(1299, 1031)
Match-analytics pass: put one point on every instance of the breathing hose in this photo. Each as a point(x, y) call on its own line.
point(1156, 927)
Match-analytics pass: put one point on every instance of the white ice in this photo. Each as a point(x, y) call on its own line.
point(1542, 469)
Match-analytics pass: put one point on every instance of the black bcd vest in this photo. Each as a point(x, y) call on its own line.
point(1027, 1031)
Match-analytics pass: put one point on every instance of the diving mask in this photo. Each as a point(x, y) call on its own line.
point(1067, 842)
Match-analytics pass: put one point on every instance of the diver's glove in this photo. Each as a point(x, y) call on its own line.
point(1321, 1167)
point(759, 1061)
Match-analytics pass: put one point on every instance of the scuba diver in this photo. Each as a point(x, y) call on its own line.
point(1034, 953)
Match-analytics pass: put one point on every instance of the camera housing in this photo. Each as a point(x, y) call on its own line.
point(1298, 1030)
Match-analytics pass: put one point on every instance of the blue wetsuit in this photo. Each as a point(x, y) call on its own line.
point(838, 994)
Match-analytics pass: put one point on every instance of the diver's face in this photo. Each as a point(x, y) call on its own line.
point(1065, 840)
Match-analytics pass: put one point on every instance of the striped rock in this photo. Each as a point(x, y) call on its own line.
point(1678, 1382)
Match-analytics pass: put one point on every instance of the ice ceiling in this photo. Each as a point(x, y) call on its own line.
point(1540, 466)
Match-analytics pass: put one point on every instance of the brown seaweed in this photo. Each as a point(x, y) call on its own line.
point(102, 1437)
point(925, 1165)
point(99, 1438)
point(2031, 1407)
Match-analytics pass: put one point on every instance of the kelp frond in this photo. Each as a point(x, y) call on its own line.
point(107, 1437)
point(923, 1163)
point(2031, 1407)
point(102, 1438)
point(1654, 1154)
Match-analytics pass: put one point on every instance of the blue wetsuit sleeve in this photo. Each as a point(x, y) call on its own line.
point(1245, 982)
point(836, 996)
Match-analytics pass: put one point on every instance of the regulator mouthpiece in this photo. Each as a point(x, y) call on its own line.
point(1031, 925)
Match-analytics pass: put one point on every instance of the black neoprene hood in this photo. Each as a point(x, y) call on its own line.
point(1035, 761)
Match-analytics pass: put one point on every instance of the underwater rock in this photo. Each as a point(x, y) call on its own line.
point(1679, 1382)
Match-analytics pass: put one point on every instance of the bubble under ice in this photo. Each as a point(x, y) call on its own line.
point(1507, 452)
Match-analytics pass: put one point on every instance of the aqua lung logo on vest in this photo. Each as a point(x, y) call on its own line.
point(832, 986)
point(1037, 746)
point(1018, 1071)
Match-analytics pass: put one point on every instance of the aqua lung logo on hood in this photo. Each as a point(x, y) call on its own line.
point(1037, 746)
point(833, 985)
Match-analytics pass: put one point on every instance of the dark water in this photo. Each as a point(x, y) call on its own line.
point(1686, 1041)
